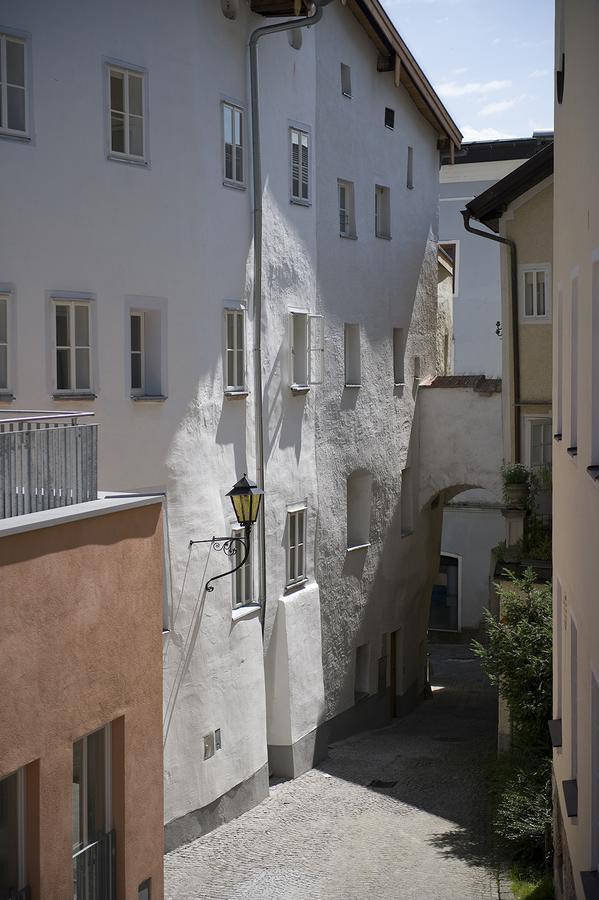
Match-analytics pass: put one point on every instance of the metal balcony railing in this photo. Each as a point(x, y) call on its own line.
point(47, 460)
point(94, 870)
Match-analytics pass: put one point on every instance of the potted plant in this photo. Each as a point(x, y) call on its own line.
point(516, 481)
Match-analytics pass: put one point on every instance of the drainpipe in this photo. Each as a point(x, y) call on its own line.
point(288, 25)
point(467, 215)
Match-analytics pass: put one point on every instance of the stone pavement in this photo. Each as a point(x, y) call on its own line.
point(332, 835)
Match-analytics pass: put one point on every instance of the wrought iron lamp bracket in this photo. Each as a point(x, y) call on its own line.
point(228, 545)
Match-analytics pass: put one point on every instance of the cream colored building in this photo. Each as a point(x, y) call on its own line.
point(576, 446)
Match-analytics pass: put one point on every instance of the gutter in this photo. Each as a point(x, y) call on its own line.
point(516, 403)
point(288, 25)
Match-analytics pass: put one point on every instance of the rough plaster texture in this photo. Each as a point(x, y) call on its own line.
point(575, 498)
point(80, 640)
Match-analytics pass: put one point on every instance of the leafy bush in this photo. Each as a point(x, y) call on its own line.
point(515, 473)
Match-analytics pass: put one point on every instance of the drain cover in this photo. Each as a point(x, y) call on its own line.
point(377, 783)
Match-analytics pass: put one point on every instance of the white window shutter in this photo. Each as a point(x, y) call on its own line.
point(316, 349)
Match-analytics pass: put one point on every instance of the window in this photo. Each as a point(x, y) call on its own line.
point(13, 86)
point(235, 350)
point(4, 325)
point(445, 599)
point(12, 833)
point(233, 135)
point(91, 807)
point(410, 174)
point(72, 330)
point(359, 497)
point(573, 698)
point(300, 165)
point(594, 364)
point(540, 442)
point(347, 222)
point(595, 771)
point(398, 356)
point(362, 681)
point(345, 80)
point(242, 578)
point(389, 117)
point(296, 544)
point(382, 212)
point(451, 248)
point(558, 626)
point(352, 355)
point(535, 289)
point(147, 347)
point(137, 354)
point(407, 502)
point(417, 369)
point(574, 364)
point(559, 374)
point(306, 340)
point(126, 111)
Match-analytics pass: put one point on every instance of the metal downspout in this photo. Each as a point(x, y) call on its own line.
point(288, 25)
point(467, 215)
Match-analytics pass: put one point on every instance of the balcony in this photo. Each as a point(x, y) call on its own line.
point(94, 870)
point(47, 460)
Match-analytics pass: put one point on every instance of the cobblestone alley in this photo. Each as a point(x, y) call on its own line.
point(332, 835)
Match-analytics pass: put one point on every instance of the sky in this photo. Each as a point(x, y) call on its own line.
point(490, 61)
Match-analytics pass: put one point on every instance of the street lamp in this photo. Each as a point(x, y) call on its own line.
point(246, 498)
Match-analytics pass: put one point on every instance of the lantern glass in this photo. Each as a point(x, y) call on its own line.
point(246, 498)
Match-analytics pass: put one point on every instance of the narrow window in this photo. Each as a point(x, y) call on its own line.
point(137, 353)
point(72, 346)
point(594, 366)
point(398, 356)
point(4, 313)
point(347, 222)
point(235, 350)
point(362, 681)
point(407, 502)
point(126, 113)
point(306, 342)
point(12, 833)
point(574, 365)
point(540, 443)
point(446, 353)
point(417, 368)
point(91, 806)
point(559, 635)
point(242, 578)
point(345, 80)
point(233, 133)
point(145, 351)
point(410, 175)
point(559, 369)
point(359, 498)
point(382, 211)
point(451, 249)
point(535, 293)
point(352, 355)
point(296, 543)
point(595, 772)
point(300, 165)
point(389, 117)
point(13, 86)
point(573, 699)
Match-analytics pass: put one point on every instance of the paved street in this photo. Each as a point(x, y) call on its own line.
point(332, 835)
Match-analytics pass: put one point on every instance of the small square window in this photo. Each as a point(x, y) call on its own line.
point(300, 165)
point(382, 212)
point(126, 114)
point(296, 545)
point(389, 117)
point(14, 99)
point(345, 80)
point(145, 330)
point(72, 347)
point(347, 220)
point(233, 143)
point(235, 350)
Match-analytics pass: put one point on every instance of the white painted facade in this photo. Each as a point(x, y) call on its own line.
point(169, 238)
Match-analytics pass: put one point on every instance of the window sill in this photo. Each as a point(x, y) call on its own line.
point(295, 585)
point(244, 612)
point(22, 138)
point(7, 397)
point(535, 320)
point(345, 94)
point(405, 534)
point(74, 395)
point(297, 201)
point(572, 451)
point(399, 384)
point(348, 385)
point(383, 237)
point(348, 237)
point(149, 398)
point(557, 437)
point(358, 547)
point(233, 394)
point(236, 185)
point(300, 388)
point(593, 472)
point(129, 160)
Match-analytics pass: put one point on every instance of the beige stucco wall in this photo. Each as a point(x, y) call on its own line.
point(81, 646)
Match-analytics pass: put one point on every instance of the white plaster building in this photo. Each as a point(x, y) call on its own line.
point(127, 283)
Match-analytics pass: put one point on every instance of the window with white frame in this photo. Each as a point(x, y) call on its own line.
point(147, 371)
point(233, 137)
point(13, 86)
point(535, 293)
point(73, 347)
point(539, 442)
point(235, 350)
point(306, 341)
point(296, 544)
point(399, 347)
point(12, 833)
point(382, 211)
point(347, 220)
point(4, 344)
point(91, 787)
point(353, 367)
point(300, 165)
point(126, 113)
point(242, 578)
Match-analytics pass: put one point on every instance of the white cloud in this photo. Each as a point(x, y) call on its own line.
point(460, 71)
point(491, 108)
point(484, 134)
point(453, 89)
point(538, 73)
